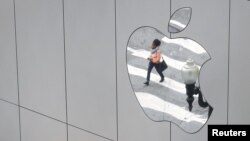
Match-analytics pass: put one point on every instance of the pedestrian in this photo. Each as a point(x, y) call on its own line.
point(154, 60)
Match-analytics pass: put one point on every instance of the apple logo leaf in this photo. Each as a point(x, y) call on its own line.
point(173, 95)
point(179, 20)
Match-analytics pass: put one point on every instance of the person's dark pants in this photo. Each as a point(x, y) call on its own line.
point(151, 65)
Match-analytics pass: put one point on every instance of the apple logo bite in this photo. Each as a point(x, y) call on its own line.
point(164, 74)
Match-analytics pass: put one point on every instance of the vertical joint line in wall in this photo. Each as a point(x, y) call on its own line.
point(17, 71)
point(116, 87)
point(65, 72)
point(229, 46)
point(170, 131)
point(170, 16)
point(170, 35)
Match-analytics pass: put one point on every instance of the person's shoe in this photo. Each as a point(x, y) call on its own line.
point(146, 83)
point(162, 80)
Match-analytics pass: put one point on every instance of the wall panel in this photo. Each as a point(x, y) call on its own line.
point(239, 77)
point(35, 127)
point(8, 72)
point(90, 57)
point(41, 56)
point(9, 122)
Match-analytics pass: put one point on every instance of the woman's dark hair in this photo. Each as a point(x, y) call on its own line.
point(157, 42)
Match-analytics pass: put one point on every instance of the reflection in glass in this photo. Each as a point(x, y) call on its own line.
point(179, 20)
point(167, 101)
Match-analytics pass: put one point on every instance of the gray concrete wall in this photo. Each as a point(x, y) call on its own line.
point(63, 72)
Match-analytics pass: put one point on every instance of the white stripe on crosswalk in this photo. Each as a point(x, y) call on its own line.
point(186, 43)
point(169, 83)
point(153, 102)
point(178, 23)
point(145, 54)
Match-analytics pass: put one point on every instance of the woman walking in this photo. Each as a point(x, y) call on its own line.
point(154, 60)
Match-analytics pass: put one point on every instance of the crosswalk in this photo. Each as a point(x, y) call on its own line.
point(144, 54)
point(150, 101)
point(169, 83)
point(137, 66)
point(186, 43)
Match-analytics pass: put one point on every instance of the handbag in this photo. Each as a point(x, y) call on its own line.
point(162, 65)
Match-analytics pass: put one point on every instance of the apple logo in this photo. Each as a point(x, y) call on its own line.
point(175, 96)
